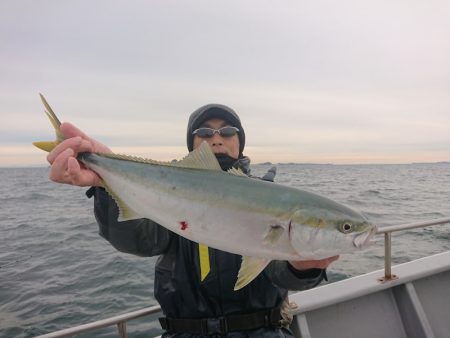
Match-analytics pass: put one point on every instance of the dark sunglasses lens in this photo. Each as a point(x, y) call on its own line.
point(227, 131)
point(205, 132)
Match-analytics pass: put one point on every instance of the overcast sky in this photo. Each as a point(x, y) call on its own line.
point(313, 81)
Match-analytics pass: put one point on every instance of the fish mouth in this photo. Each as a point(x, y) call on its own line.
point(365, 238)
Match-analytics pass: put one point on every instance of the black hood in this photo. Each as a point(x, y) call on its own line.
point(210, 111)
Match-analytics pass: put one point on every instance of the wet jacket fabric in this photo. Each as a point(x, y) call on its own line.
point(178, 287)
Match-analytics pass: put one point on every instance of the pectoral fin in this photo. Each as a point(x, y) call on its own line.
point(251, 267)
point(273, 234)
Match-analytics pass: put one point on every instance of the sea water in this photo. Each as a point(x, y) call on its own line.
point(57, 272)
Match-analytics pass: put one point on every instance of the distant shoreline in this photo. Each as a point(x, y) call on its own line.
point(276, 164)
point(342, 164)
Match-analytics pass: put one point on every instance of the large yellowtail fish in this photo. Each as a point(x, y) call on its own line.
point(193, 197)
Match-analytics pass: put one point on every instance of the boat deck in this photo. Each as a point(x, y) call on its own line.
point(417, 304)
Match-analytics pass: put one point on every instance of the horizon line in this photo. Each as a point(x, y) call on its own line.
point(31, 166)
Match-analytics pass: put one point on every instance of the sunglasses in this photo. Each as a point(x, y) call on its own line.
point(209, 132)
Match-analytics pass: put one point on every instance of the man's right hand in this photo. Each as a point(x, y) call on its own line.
point(65, 168)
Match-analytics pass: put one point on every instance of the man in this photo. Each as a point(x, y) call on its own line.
point(193, 283)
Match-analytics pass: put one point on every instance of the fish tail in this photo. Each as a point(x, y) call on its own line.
point(49, 145)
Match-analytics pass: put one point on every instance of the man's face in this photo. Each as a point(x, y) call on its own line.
point(219, 144)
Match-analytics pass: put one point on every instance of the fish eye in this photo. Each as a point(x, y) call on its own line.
point(346, 227)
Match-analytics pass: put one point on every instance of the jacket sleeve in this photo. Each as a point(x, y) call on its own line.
point(285, 276)
point(141, 237)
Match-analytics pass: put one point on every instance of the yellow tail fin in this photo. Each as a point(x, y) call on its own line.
point(49, 145)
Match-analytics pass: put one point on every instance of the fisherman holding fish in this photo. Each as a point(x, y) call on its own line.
point(194, 283)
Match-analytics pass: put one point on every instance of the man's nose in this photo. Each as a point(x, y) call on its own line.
point(216, 139)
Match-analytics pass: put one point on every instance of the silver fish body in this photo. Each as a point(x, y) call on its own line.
point(231, 212)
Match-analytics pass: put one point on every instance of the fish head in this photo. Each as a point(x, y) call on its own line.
point(322, 233)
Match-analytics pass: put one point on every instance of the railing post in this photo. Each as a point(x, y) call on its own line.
point(387, 255)
point(122, 328)
point(387, 258)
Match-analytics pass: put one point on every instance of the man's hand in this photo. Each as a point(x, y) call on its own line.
point(319, 264)
point(65, 168)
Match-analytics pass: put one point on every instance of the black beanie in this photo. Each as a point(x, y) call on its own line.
point(208, 112)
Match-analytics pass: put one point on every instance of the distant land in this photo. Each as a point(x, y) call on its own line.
point(441, 162)
point(294, 163)
point(306, 163)
point(266, 163)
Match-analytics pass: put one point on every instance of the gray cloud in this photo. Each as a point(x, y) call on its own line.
point(325, 72)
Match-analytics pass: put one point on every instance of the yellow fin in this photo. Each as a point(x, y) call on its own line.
point(49, 145)
point(53, 118)
point(125, 212)
point(251, 267)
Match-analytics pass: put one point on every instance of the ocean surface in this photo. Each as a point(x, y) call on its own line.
point(57, 272)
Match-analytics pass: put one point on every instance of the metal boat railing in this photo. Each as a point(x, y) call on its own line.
point(388, 230)
point(121, 320)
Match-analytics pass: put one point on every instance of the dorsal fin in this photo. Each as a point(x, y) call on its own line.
point(200, 158)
